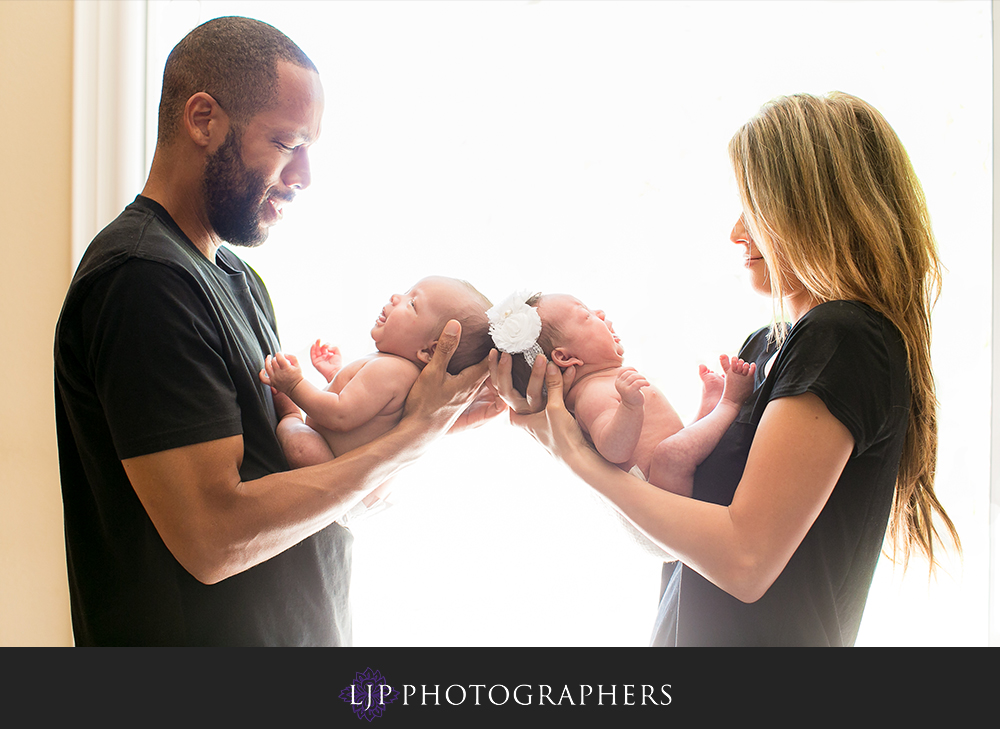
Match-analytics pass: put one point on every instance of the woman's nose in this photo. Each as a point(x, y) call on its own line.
point(739, 234)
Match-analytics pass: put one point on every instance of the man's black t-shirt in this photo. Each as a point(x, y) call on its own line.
point(855, 361)
point(158, 348)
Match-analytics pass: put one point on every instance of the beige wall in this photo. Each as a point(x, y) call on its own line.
point(36, 93)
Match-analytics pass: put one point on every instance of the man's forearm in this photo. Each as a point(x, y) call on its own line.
point(217, 525)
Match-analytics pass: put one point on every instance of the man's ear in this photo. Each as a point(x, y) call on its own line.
point(425, 354)
point(205, 122)
point(563, 358)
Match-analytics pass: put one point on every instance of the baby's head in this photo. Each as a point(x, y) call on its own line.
point(571, 334)
point(410, 324)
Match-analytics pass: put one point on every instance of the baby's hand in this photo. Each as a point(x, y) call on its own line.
point(629, 385)
point(326, 359)
point(739, 379)
point(282, 372)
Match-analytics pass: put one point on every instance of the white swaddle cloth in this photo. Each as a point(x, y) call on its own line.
point(638, 538)
point(360, 512)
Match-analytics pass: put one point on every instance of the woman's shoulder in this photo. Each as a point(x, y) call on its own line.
point(841, 314)
point(845, 322)
point(853, 358)
point(846, 342)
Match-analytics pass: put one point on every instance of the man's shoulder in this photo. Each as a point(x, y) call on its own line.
point(141, 232)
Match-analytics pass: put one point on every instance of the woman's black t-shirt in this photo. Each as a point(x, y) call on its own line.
point(853, 359)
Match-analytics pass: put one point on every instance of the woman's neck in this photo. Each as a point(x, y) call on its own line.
point(796, 304)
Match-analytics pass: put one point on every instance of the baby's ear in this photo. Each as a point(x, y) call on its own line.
point(563, 358)
point(425, 354)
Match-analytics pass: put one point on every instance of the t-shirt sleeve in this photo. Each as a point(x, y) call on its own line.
point(840, 355)
point(156, 361)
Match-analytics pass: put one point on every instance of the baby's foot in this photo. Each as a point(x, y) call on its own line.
point(739, 377)
point(712, 385)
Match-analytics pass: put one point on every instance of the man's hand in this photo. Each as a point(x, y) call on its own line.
point(437, 398)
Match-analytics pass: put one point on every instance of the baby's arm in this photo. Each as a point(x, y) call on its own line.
point(676, 458)
point(614, 422)
point(377, 384)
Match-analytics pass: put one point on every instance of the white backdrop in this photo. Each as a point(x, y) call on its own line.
point(581, 147)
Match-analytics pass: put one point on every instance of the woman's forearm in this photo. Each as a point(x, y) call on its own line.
point(697, 533)
point(797, 456)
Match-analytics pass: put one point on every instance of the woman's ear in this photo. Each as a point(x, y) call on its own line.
point(204, 120)
point(563, 358)
point(425, 354)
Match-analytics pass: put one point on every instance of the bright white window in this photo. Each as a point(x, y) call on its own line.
point(581, 147)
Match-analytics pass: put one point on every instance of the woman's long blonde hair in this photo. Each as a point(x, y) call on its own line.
point(832, 201)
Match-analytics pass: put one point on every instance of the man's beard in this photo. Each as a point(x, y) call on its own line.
point(234, 195)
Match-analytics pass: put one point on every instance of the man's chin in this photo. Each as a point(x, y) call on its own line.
point(250, 242)
point(245, 238)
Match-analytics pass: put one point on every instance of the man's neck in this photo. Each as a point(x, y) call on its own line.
point(184, 200)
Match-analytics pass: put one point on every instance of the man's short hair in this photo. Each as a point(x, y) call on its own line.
point(233, 59)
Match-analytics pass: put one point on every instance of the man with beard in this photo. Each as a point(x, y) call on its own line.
point(184, 524)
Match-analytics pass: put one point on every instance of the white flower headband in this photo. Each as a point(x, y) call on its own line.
point(515, 326)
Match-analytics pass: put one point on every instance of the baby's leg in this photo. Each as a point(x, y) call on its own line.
point(676, 458)
point(302, 445)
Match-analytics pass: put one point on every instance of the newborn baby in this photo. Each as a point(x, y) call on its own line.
point(630, 422)
point(365, 399)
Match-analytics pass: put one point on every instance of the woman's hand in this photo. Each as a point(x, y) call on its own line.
point(533, 400)
point(554, 427)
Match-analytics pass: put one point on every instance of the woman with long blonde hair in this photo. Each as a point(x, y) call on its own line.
point(779, 543)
